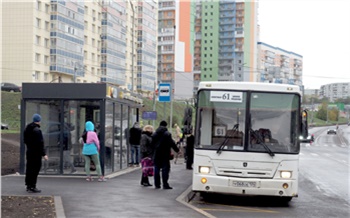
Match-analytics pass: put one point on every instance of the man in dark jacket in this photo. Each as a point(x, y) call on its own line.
point(134, 141)
point(33, 138)
point(162, 142)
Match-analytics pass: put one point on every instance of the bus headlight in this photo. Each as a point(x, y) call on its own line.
point(286, 174)
point(204, 170)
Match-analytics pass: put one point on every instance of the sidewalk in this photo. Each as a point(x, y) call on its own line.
point(121, 196)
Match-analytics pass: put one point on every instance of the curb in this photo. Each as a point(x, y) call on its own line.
point(183, 199)
point(59, 207)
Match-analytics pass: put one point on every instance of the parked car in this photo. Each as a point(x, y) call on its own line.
point(332, 131)
point(10, 87)
point(4, 126)
point(310, 138)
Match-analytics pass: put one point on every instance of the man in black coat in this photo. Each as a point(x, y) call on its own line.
point(162, 142)
point(33, 138)
point(134, 141)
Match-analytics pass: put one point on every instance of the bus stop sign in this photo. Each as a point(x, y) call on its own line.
point(164, 92)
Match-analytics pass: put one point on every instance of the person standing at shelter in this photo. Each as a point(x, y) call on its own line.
point(189, 150)
point(147, 151)
point(134, 141)
point(33, 138)
point(91, 151)
point(163, 142)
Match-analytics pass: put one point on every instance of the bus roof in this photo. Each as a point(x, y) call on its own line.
point(252, 86)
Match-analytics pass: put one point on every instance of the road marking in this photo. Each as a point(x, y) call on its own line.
point(314, 154)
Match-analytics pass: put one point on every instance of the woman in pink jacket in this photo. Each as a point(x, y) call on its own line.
point(91, 151)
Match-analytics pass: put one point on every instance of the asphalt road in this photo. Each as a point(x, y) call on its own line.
point(324, 185)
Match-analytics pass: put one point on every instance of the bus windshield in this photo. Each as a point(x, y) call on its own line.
point(248, 121)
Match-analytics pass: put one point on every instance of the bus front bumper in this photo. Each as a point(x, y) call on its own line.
point(245, 186)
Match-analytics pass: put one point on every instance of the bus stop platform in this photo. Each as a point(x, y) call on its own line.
point(121, 196)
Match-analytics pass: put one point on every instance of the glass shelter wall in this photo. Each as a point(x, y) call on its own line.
point(64, 109)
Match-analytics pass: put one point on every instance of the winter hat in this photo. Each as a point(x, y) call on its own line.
point(163, 123)
point(36, 118)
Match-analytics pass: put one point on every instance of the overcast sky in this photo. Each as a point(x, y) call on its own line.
point(319, 30)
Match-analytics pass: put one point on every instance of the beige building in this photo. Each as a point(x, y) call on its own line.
point(276, 65)
point(70, 41)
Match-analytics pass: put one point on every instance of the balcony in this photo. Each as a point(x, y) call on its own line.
point(226, 43)
point(226, 22)
point(166, 52)
point(298, 72)
point(167, 8)
point(225, 77)
point(166, 43)
point(239, 33)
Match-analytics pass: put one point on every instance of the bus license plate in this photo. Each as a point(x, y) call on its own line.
point(244, 184)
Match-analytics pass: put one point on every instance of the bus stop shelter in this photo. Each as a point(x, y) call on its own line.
point(65, 108)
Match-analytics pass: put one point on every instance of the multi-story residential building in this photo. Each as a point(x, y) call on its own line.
point(277, 65)
point(175, 36)
point(226, 37)
point(147, 44)
point(335, 91)
point(80, 41)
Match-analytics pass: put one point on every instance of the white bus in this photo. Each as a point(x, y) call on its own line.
point(247, 139)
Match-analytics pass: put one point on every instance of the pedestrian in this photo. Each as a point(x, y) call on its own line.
point(91, 151)
point(178, 134)
point(134, 141)
point(147, 151)
point(189, 150)
point(33, 138)
point(162, 142)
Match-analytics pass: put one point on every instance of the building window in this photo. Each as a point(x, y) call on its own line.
point(93, 70)
point(38, 5)
point(47, 25)
point(93, 42)
point(53, 7)
point(37, 57)
point(46, 43)
point(46, 59)
point(38, 21)
point(46, 76)
point(37, 75)
point(85, 25)
point(85, 54)
point(93, 27)
point(37, 40)
point(93, 56)
point(47, 8)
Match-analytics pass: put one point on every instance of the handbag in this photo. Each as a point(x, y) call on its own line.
point(92, 166)
point(147, 166)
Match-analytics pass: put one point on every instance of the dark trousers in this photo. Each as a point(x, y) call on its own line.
point(189, 161)
point(144, 179)
point(165, 167)
point(32, 170)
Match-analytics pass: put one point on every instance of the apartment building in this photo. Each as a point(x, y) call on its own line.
point(225, 43)
point(276, 65)
point(147, 42)
point(80, 41)
point(335, 91)
point(175, 42)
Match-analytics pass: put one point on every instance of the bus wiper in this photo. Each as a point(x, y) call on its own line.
point(235, 128)
point(258, 137)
